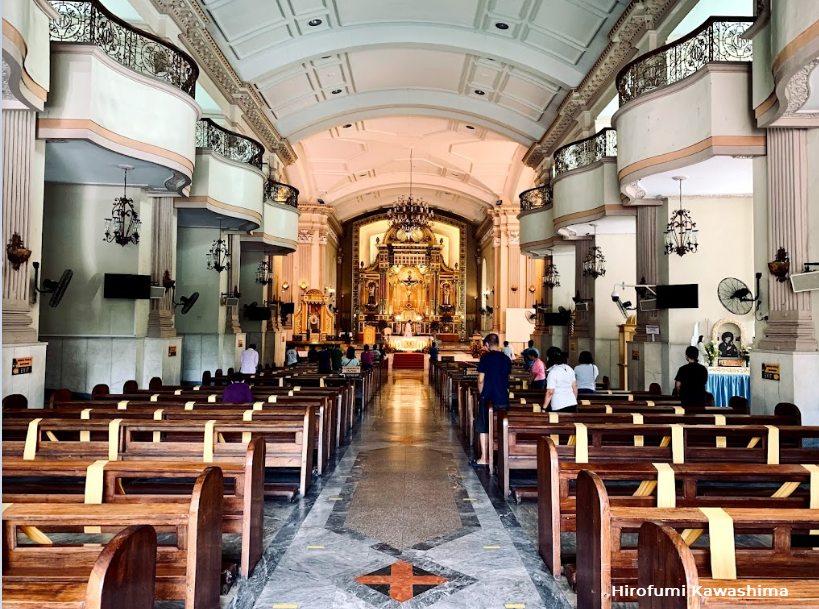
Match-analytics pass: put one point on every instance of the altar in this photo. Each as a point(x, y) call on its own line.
point(726, 382)
point(411, 344)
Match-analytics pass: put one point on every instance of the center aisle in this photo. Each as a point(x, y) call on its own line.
point(403, 521)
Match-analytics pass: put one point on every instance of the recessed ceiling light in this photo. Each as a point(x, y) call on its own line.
point(470, 127)
point(326, 56)
point(315, 22)
point(501, 25)
point(335, 91)
point(479, 92)
point(348, 125)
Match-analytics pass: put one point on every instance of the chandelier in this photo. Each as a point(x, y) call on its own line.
point(219, 254)
point(409, 214)
point(681, 232)
point(551, 278)
point(123, 225)
point(594, 264)
point(263, 274)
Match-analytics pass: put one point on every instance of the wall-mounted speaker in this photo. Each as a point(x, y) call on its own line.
point(805, 282)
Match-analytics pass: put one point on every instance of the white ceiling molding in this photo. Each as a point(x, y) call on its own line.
point(303, 123)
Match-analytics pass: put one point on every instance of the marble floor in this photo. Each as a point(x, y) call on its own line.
point(404, 521)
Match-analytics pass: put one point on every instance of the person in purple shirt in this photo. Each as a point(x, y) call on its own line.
point(238, 392)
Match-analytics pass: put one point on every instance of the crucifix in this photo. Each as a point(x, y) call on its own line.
point(410, 284)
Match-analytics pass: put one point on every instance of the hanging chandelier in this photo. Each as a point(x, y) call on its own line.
point(594, 264)
point(551, 278)
point(123, 225)
point(263, 274)
point(681, 232)
point(219, 254)
point(409, 214)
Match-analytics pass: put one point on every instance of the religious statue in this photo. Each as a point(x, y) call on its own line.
point(408, 330)
point(371, 295)
point(447, 291)
point(727, 348)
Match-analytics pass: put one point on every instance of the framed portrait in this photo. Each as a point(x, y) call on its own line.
point(729, 337)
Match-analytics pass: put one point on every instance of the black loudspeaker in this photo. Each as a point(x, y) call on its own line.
point(287, 308)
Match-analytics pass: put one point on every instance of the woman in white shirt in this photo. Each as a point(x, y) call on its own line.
point(561, 385)
point(586, 373)
point(349, 359)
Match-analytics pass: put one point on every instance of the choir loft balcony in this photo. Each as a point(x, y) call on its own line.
point(26, 60)
point(228, 184)
point(537, 233)
point(122, 90)
point(685, 103)
point(585, 181)
point(279, 231)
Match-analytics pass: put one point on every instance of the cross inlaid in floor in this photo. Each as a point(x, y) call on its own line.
point(401, 581)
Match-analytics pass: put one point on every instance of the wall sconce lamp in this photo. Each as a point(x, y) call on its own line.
point(532, 289)
point(780, 266)
point(514, 288)
point(303, 285)
point(16, 252)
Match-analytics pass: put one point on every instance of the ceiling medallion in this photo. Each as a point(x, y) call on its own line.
point(123, 225)
point(410, 216)
point(681, 232)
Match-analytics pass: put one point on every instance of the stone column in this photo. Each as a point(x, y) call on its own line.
point(163, 240)
point(647, 269)
point(517, 297)
point(18, 159)
point(790, 324)
point(232, 325)
point(501, 280)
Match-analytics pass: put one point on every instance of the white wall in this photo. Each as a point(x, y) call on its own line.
point(208, 316)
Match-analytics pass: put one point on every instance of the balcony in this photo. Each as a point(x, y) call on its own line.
point(585, 184)
point(124, 90)
point(537, 232)
point(686, 102)
point(228, 180)
point(26, 56)
point(279, 232)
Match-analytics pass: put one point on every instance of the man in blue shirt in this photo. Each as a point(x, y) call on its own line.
point(494, 369)
point(433, 352)
point(526, 361)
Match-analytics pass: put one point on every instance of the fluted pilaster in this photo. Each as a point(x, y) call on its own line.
point(790, 325)
point(647, 267)
point(163, 240)
point(18, 153)
point(232, 325)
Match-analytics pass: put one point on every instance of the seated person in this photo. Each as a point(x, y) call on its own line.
point(238, 392)
point(433, 352)
point(349, 359)
point(366, 358)
point(325, 360)
point(312, 354)
point(291, 356)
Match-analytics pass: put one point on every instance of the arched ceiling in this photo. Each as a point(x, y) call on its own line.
point(412, 74)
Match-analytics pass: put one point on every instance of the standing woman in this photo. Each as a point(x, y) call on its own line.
point(561, 384)
point(586, 373)
point(537, 370)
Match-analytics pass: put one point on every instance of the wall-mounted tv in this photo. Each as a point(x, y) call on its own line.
point(127, 287)
point(682, 296)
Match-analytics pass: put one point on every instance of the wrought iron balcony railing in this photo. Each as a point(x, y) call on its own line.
point(277, 192)
point(535, 198)
point(230, 145)
point(585, 152)
point(89, 22)
point(719, 39)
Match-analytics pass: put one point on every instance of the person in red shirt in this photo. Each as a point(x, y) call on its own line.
point(537, 372)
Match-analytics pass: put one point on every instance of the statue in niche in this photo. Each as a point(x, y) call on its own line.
point(447, 294)
point(371, 293)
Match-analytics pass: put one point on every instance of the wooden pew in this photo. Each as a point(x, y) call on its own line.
point(188, 568)
point(123, 577)
point(604, 561)
point(289, 444)
point(517, 443)
point(666, 562)
point(634, 484)
point(123, 482)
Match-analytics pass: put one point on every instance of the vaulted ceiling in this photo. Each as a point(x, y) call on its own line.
point(468, 85)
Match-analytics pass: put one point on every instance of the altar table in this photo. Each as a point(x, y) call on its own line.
point(724, 383)
point(415, 343)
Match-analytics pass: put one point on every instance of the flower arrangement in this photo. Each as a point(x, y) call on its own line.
point(711, 352)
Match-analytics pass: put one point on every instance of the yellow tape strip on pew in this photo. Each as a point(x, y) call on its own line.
point(93, 488)
point(85, 415)
point(155, 397)
point(178, 392)
point(32, 439)
point(196, 388)
point(677, 444)
point(258, 405)
point(271, 399)
point(212, 398)
point(207, 455)
point(247, 415)
point(113, 440)
point(158, 417)
point(773, 445)
point(555, 418)
point(721, 538)
point(189, 405)
point(123, 405)
point(637, 419)
point(719, 419)
point(581, 451)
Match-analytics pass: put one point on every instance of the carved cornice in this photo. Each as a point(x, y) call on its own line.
point(192, 21)
point(639, 17)
point(798, 91)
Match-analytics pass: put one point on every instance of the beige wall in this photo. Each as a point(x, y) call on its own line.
point(192, 275)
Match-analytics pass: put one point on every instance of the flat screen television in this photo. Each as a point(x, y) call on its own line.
point(682, 296)
point(127, 287)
